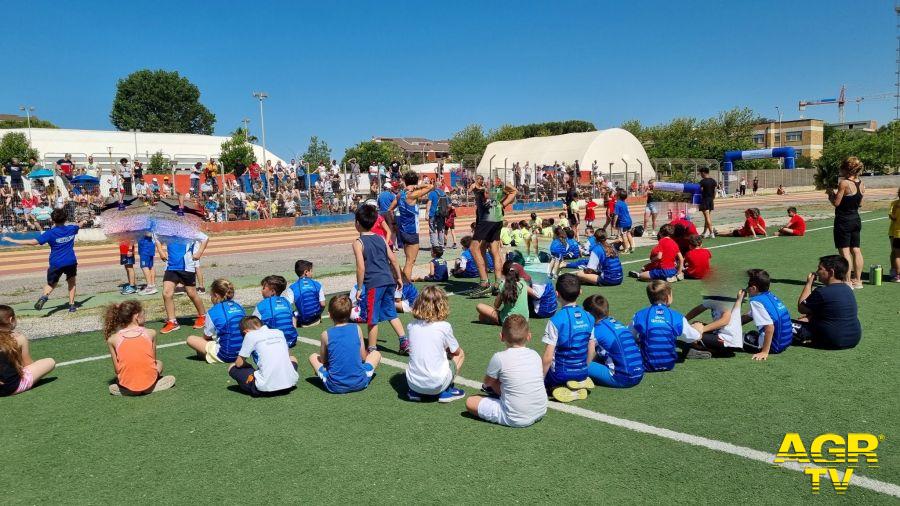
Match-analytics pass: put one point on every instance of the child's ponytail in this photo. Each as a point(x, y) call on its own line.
point(119, 316)
point(510, 292)
point(223, 289)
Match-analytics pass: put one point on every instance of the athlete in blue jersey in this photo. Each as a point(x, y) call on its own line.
point(276, 311)
point(405, 297)
point(61, 239)
point(622, 220)
point(147, 252)
point(772, 318)
point(543, 300)
point(437, 268)
point(465, 264)
point(306, 294)
point(222, 338)
point(342, 362)
point(603, 267)
point(585, 249)
point(568, 345)
point(407, 203)
point(618, 362)
point(658, 326)
point(181, 269)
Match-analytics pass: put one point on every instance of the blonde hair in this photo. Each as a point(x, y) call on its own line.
point(851, 166)
point(431, 305)
point(222, 288)
point(9, 347)
point(119, 316)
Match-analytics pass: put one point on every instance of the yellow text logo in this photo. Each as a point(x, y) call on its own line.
point(831, 456)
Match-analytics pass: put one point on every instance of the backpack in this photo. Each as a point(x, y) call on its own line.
point(638, 231)
point(443, 205)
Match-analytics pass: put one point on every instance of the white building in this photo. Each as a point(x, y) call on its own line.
point(618, 153)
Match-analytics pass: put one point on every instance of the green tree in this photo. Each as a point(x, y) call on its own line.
point(16, 145)
point(369, 152)
point(236, 150)
point(23, 123)
point(317, 152)
point(467, 145)
point(160, 101)
point(633, 126)
point(159, 164)
point(877, 151)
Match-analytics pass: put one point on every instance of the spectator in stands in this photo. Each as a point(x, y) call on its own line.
point(92, 168)
point(41, 214)
point(15, 172)
point(66, 166)
point(196, 170)
point(83, 212)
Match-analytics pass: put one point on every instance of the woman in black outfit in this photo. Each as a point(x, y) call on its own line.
point(847, 223)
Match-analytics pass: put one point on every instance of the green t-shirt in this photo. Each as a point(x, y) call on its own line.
point(495, 213)
point(519, 307)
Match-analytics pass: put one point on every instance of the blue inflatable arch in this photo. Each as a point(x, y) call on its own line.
point(787, 152)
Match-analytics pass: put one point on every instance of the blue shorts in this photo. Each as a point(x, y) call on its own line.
point(126, 259)
point(554, 379)
point(651, 208)
point(601, 281)
point(603, 376)
point(407, 238)
point(380, 304)
point(335, 389)
point(146, 262)
point(662, 274)
point(54, 273)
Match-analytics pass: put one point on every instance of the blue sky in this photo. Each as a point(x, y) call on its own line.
point(347, 71)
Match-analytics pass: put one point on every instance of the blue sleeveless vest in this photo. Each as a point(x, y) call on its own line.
point(440, 269)
point(547, 304)
point(781, 318)
point(408, 221)
point(573, 250)
point(658, 326)
point(622, 355)
point(558, 249)
point(276, 313)
point(574, 326)
point(345, 367)
point(226, 316)
point(409, 293)
point(306, 299)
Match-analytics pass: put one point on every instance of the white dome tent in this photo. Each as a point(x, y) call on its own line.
point(619, 155)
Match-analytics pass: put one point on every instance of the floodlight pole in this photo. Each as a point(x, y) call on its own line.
point(28, 110)
point(261, 95)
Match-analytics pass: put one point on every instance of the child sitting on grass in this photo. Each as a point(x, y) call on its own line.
point(696, 260)
point(342, 362)
point(405, 297)
point(603, 267)
point(574, 249)
point(559, 248)
point(276, 369)
point(275, 310)
point(222, 338)
point(657, 328)
point(542, 297)
point(666, 261)
point(465, 265)
point(515, 375)
point(752, 226)
point(133, 351)
point(622, 222)
point(506, 233)
point(18, 371)
point(796, 225)
point(722, 336)
point(435, 357)
point(774, 330)
point(511, 299)
point(307, 295)
point(437, 267)
point(617, 362)
point(568, 345)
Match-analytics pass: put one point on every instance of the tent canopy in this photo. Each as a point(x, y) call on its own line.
point(615, 150)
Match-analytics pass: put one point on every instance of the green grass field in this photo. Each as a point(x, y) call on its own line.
point(204, 442)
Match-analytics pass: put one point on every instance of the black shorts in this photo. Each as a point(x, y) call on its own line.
point(895, 242)
point(53, 275)
point(846, 233)
point(707, 204)
point(487, 231)
point(126, 259)
point(405, 238)
point(181, 277)
point(246, 380)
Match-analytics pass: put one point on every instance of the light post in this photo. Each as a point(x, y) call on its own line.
point(261, 95)
point(780, 133)
point(135, 132)
point(28, 110)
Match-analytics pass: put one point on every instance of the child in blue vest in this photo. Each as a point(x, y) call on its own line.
point(378, 270)
point(657, 327)
point(406, 297)
point(774, 331)
point(437, 268)
point(147, 252)
point(559, 247)
point(275, 309)
point(465, 264)
point(221, 340)
point(573, 250)
point(568, 345)
point(622, 221)
point(543, 301)
point(603, 267)
point(618, 362)
point(342, 362)
point(584, 249)
point(306, 294)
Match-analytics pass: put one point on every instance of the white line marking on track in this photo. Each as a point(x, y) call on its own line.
point(101, 357)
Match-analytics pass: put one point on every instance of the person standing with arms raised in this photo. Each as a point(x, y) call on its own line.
point(707, 201)
point(489, 205)
point(847, 223)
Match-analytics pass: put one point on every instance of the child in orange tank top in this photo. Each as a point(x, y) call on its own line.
point(133, 351)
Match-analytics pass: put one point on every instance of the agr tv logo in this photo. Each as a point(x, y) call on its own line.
point(832, 452)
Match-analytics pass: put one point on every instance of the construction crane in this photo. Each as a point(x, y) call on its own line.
point(841, 101)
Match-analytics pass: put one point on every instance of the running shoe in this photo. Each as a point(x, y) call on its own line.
point(370, 349)
point(896, 279)
point(671, 279)
point(486, 390)
point(200, 322)
point(404, 346)
point(413, 396)
point(180, 211)
point(73, 308)
point(149, 290)
point(563, 394)
point(587, 383)
point(129, 290)
point(170, 326)
point(694, 353)
point(634, 274)
point(451, 394)
point(164, 383)
point(481, 292)
point(40, 302)
point(201, 290)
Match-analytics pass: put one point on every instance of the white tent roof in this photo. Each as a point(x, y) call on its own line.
point(187, 149)
point(615, 151)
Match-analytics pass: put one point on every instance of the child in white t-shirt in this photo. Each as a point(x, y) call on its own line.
point(277, 368)
point(434, 354)
point(516, 375)
point(723, 335)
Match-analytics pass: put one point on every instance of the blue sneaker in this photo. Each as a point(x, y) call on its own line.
point(73, 308)
point(129, 290)
point(451, 394)
point(413, 396)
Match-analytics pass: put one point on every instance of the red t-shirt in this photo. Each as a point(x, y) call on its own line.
point(377, 229)
point(611, 206)
point(124, 248)
point(669, 249)
point(797, 224)
point(755, 225)
point(589, 211)
point(696, 263)
point(689, 225)
point(254, 170)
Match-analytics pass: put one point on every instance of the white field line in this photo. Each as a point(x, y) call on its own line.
point(711, 444)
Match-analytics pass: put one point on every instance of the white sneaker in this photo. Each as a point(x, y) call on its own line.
point(150, 290)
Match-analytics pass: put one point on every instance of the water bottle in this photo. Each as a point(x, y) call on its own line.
point(875, 275)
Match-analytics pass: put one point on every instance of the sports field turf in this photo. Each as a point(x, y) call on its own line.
point(204, 442)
